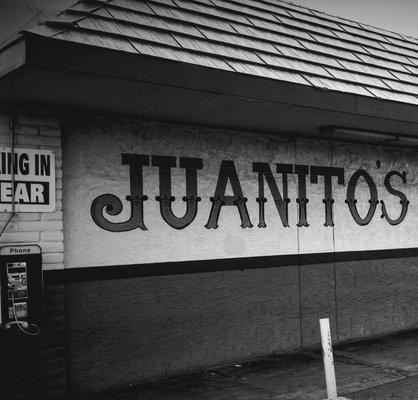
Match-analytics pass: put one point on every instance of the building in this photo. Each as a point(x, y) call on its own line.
point(226, 173)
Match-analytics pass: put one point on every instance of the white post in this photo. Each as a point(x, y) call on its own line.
point(328, 359)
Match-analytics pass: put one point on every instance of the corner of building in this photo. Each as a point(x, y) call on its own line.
point(41, 130)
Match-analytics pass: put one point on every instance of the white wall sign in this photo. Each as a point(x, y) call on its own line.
point(33, 173)
point(110, 171)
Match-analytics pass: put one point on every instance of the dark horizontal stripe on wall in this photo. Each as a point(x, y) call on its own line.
point(225, 264)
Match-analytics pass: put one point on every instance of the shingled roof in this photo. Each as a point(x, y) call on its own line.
point(264, 38)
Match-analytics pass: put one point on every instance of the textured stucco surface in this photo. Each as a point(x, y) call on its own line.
point(377, 296)
point(128, 330)
point(317, 301)
point(92, 158)
point(124, 331)
point(378, 234)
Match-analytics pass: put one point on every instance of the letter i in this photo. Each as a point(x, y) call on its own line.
point(36, 164)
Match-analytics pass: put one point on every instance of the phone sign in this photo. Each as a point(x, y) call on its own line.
point(27, 177)
point(21, 250)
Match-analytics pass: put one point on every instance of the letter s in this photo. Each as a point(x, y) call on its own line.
point(403, 200)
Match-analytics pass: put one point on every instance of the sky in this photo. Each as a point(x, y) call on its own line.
point(395, 15)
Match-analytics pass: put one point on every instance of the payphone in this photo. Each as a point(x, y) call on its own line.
point(20, 320)
point(21, 288)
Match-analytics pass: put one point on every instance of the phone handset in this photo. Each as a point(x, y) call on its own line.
point(23, 325)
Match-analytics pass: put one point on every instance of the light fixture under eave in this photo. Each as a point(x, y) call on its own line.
point(408, 140)
point(365, 136)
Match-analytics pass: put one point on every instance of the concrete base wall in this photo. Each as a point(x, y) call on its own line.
point(125, 331)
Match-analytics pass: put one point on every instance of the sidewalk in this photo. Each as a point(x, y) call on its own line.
point(382, 364)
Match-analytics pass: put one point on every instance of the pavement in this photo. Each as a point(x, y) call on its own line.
point(403, 389)
point(384, 368)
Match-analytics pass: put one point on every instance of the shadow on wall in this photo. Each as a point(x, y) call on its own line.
point(126, 331)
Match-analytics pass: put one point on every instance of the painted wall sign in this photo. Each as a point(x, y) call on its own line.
point(30, 173)
point(109, 203)
point(137, 193)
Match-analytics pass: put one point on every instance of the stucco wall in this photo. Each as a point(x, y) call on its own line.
point(125, 331)
point(93, 157)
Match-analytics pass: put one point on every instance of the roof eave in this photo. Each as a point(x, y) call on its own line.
point(246, 94)
point(12, 55)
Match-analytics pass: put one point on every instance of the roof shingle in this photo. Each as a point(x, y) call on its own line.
point(267, 38)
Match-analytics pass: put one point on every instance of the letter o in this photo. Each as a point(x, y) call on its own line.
point(351, 200)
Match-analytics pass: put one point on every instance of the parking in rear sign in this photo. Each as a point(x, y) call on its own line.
point(31, 172)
